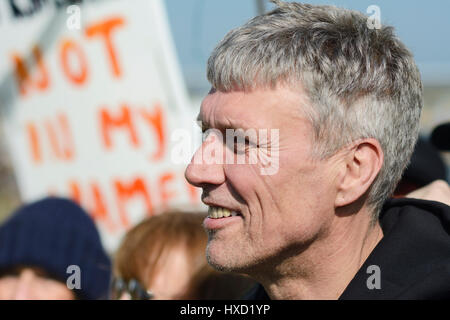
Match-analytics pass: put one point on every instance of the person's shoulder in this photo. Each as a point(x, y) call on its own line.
point(410, 208)
point(428, 221)
point(415, 202)
point(412, 258)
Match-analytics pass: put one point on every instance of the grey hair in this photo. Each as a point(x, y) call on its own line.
point(360, 82)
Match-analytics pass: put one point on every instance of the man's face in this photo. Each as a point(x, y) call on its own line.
point(277, 214)
point(25, 283)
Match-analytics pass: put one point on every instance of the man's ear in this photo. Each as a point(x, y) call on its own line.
point(361, 166)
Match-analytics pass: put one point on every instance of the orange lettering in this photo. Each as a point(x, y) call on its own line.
point(104, 29)
point(68, 143)
point(156, 120)
point(75, 193)
point(125, 192)
point(166, 195)
point(23, 76)
point(53, 139)
point(99, 211)
point(123, 120)
point(34, 142)
point(77, 77)
point(59, 137)
point(62, 144)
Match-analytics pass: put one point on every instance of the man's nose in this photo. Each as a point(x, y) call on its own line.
point(206, 166)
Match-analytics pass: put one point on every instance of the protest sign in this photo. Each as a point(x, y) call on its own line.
point(90, 94)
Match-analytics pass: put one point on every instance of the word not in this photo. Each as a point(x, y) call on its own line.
point(74, 280)
point(69, 51)
point(374, 281)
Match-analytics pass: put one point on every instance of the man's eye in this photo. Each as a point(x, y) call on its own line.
point(241, 145)
point(205, 134)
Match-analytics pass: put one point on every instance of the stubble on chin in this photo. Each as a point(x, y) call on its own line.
point(226, 258)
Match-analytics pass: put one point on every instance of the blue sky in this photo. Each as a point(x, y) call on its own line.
point(424, 26)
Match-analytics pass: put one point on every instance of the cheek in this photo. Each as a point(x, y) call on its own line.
point(172, 277)
point(170, 284)
point(269, 193)
point(7, 286)
point(244, 178)
point(294, 203)
point(54, 290)
point(305, 199)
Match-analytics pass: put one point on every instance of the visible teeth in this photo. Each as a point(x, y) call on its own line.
point(217, 212)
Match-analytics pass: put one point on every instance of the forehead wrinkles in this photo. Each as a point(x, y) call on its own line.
point(221, 110)
point(238, 110)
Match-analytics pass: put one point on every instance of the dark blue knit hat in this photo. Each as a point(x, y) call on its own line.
point(53, 234)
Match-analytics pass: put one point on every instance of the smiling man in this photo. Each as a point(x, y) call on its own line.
point(345, 101)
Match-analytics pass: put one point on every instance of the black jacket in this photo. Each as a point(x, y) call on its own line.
point(413, 255)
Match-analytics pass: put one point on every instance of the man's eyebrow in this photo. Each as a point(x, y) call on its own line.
point(218, 125)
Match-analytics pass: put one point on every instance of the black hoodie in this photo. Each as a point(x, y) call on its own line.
point(413, 256)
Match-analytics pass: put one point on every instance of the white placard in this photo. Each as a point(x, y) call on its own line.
point(88, 111)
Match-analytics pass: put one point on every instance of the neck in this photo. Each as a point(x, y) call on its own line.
point(326, 267)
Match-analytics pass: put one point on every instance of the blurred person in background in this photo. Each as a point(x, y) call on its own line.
point(163, 258)
point(440, 136)
point(428, 162)
point(44, 246)
point(425, 176)
point(438, 190)
point(426, 166)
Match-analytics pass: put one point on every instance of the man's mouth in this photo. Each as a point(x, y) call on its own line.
point(220, 212)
